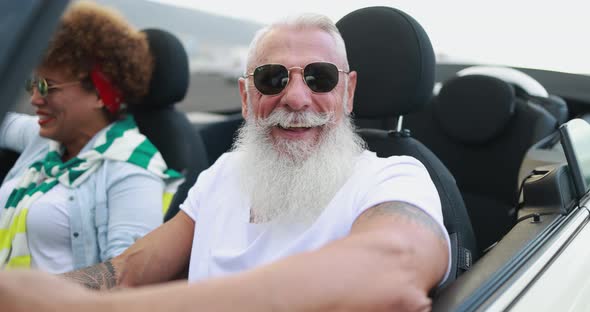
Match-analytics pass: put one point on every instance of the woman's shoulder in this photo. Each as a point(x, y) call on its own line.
point(120, 170)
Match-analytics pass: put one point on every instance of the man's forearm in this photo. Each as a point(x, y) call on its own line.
point(293, 278)
point(287, 285)
point(390, 260)
point(160, 256)
point(98, 277)
point(357, 273)
point(351, 274)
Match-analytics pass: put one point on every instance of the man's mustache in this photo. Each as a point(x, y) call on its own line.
point(287, 119)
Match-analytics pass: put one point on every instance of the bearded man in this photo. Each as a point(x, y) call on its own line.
point(298, 217)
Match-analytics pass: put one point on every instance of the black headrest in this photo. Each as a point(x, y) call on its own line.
point(473, 109)
point(394, 60)
point(555, 105)
point(171, 70)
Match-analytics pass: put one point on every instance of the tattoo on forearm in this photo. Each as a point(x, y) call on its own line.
point(408, 211)
point(98, 277)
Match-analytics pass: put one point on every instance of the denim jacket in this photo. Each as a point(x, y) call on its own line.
point(100, 227)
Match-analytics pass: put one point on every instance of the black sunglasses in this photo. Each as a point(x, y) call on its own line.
point(43, 86)
point(271, 79)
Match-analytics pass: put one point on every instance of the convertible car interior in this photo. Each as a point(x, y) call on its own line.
point(491, 137)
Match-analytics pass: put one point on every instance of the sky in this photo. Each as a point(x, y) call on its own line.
point(528, 33)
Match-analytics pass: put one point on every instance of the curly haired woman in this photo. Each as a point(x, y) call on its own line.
point(87, 183)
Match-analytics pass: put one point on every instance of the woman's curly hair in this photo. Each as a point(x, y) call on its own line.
point(90, 34)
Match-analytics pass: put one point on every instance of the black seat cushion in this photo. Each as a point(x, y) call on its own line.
point(555, 105)
point(170, 79)
point(474, 109)
point(394, 60)
point(455, 215)
point(487, 174)
point(182, 147)
point(219, 136)
point(170, 130)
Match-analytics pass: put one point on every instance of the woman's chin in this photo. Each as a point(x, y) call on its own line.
point(46, 133)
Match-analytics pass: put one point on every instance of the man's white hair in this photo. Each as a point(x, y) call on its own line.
point(301, 22)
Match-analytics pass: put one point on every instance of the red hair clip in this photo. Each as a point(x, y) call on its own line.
point(108, 93)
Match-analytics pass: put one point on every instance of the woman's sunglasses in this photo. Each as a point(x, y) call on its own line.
point(271, 79)
point(43, 87)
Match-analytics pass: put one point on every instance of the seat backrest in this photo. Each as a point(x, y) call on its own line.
point(395, 64)
point(525, 87)
point(481, 129)
point(555, 105)
point(219, 136)
point(170, 130)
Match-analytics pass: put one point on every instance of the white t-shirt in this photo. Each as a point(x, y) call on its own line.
point(225, 241)
point(48, 228)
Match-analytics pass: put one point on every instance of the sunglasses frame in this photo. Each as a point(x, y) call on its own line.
point(38, 82)
point(302, 71)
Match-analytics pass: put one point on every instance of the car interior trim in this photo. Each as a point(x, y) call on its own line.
point(570, 287)
point(577, 220)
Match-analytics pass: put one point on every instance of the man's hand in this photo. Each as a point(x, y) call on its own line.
point(98, 277)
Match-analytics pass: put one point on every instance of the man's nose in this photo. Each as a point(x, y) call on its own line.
point(297, 95)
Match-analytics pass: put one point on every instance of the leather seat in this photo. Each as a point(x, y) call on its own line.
point(219, 136)
point(157, 118)
point(481, 129)
point(395, 62)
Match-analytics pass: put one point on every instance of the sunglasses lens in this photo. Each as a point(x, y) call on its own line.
point(29, 85)
point(271, 78)
point(42, 87)
point(321, 77)
point(39, 83)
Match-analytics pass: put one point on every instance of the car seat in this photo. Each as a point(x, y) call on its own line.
point(219, 136)
point(395, 64)
point(481, 129)
point(525, 87)
point(169, 129)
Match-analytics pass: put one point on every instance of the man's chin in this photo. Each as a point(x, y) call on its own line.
point(296, 151)
point(299, 149)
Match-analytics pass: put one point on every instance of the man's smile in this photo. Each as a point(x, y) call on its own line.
point(295, 132)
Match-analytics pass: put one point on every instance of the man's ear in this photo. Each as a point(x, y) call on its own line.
point(244, 96)
point(351, 88)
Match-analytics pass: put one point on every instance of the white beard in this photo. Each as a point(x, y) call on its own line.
point(294, 180)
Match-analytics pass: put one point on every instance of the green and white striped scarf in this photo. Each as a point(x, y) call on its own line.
point(121, 141)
